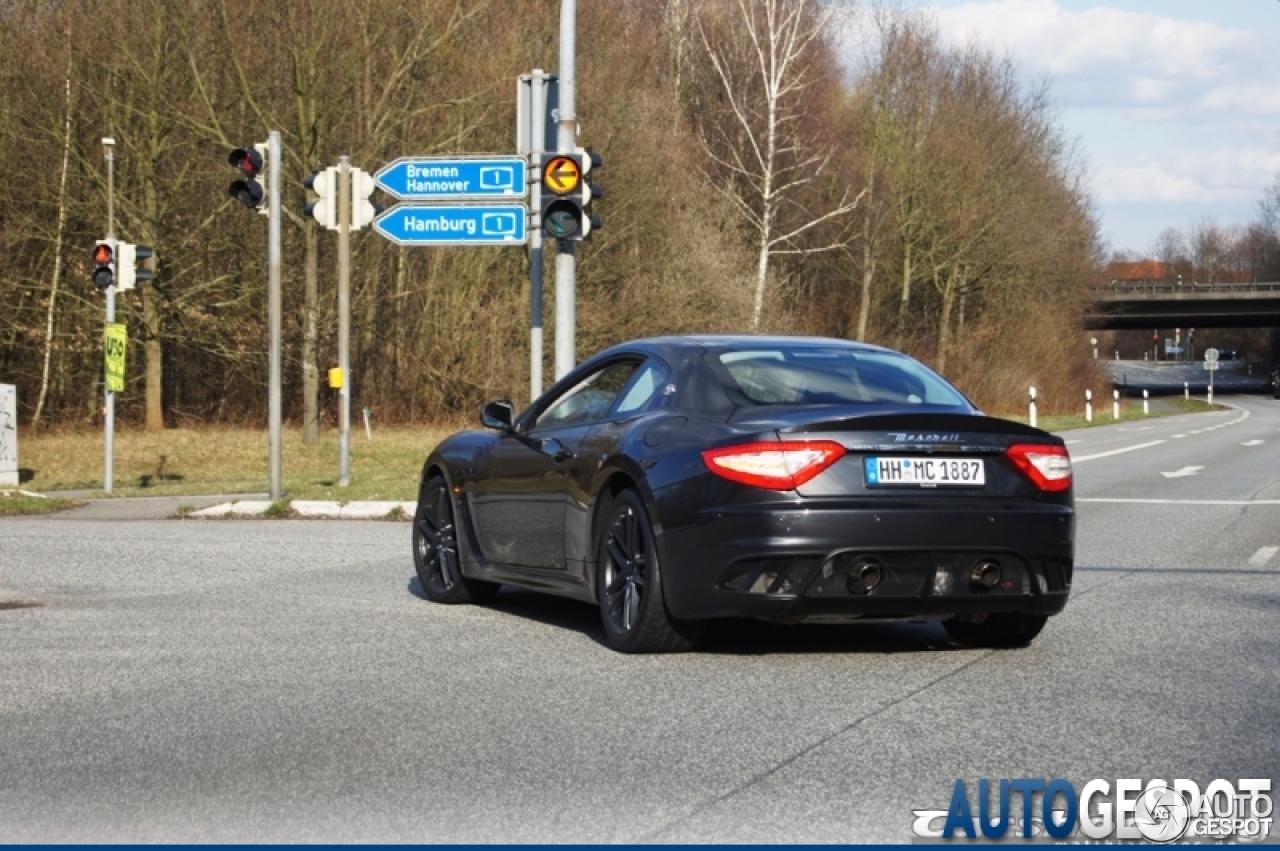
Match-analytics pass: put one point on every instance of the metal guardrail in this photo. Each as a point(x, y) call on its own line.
point(1162, 287)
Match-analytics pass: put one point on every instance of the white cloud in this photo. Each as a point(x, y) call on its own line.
point(1104, 56)
point(1227, 175)
point(1139, 183)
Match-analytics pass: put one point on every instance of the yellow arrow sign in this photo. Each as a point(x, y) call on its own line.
point(561, 175)
point(117, 341)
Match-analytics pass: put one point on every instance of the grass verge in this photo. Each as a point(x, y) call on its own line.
point(177, 462)
point(13, 504)
point(1130, 410)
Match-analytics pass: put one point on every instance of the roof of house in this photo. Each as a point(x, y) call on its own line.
point(1143, 270)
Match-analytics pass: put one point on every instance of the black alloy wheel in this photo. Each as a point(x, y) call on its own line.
point(629, 584)
point(435, 550)
point(997, 630)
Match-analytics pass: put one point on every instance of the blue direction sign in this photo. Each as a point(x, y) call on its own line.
point(453, 178)
point(484, 224)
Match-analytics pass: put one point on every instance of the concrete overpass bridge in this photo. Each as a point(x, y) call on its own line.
point(1123, 306)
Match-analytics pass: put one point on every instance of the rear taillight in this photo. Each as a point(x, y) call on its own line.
point(780, 465)
point(1048, 466)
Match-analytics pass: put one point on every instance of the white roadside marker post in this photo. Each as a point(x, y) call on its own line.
point(1115, 404)
point(1146, 406)
point(1088, 406)
point(1033, 407)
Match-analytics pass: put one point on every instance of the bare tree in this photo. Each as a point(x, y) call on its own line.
point(765, 70)
point(1210, 247)
point(56, 278)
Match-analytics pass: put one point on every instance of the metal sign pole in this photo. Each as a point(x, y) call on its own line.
point(566, 261)
point(109, 414)
point(344, 320)
point(538, 122)
point(275, 163)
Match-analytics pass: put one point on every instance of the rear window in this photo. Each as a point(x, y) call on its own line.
point(818, 376)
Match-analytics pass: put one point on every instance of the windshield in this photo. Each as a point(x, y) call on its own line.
point(816, 376)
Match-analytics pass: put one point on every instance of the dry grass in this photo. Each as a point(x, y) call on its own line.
point(227, 460)
point(12, 504)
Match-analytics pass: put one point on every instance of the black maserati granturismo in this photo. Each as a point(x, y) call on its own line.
point(678, 479)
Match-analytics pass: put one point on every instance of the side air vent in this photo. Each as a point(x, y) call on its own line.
point(779, 577)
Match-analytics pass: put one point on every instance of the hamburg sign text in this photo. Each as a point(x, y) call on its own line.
point(490, 224)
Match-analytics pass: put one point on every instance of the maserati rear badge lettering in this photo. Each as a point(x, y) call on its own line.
point(912, 437)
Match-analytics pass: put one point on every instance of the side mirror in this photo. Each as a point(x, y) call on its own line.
point(498, 415)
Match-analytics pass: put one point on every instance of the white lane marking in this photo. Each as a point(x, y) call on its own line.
point(1070, 442)
point(1119, 500)
point(1118, 451)
point(1263, 555)
point(1253, 443)
point(1178, 436)
point(1136, 428)
point(1184, 472)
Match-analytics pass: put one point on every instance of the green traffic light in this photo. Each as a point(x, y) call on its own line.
point(562, 219)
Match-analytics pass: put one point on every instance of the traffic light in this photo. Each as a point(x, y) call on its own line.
point(104, 273)
point(128, 256)
point(325, 208)
point(250, 161)
point(591, 161)
point(363, 210)
point(562, 214)
point(567, 194)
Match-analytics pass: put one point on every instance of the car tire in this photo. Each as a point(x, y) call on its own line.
point(997, 631)
point(435, 550)
point(629, 584)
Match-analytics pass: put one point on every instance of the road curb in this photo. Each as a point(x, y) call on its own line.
point(309, 509)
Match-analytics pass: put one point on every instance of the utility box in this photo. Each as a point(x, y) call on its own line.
point(8, 435)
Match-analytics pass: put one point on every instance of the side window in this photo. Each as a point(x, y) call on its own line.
point(590, 400)
point(643, 388)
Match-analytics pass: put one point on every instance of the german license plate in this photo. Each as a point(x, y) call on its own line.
point(925, 472)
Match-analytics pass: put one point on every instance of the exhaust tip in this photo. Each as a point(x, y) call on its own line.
point(865, 573)
point(985, 574)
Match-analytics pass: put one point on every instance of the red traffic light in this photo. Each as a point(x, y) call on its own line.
point(104, 274)
point(247, 161)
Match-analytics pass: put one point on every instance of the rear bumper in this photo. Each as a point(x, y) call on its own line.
point(803, 559)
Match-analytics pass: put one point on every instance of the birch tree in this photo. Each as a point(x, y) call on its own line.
point(56, 278)
point(763, 61)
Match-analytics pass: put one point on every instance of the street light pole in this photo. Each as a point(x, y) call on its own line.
point(566, 140)
point(109, 408)
point(275, 405)
point(344, 320)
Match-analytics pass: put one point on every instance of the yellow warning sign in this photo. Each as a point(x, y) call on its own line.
point(117, 340)
point(561, 175)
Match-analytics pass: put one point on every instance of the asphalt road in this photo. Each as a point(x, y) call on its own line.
point(258, 680)
point(1172, 377)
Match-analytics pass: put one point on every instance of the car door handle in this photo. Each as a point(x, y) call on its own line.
point(557, 450)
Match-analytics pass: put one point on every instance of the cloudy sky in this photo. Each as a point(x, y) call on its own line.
point(1175, 103)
